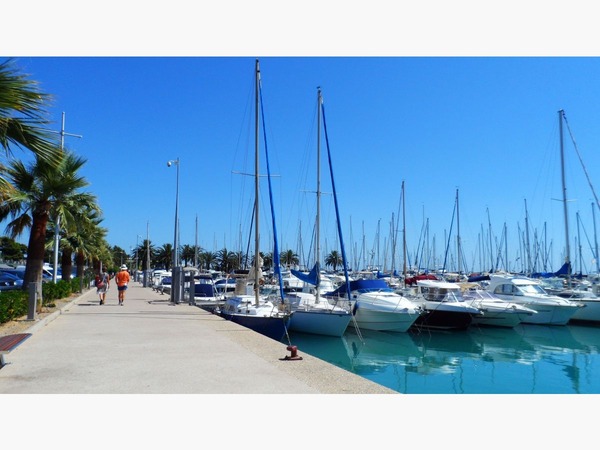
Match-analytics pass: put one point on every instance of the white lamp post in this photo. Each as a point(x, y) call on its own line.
point(57, 225)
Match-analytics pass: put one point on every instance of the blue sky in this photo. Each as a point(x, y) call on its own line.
point(473, 118)
point(485, 128)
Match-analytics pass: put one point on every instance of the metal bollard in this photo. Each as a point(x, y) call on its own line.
point(32, 303)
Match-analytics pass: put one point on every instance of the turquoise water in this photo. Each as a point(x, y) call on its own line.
point(529, 359)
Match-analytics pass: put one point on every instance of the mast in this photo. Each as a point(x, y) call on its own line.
point(527, 247)
point(404, 269)
point(318, 218)
point(458, 249)
point(491, 244)
point(579, 252)
point(595, 241)
point(196, 245)
point(564, 189)
point(256, 191)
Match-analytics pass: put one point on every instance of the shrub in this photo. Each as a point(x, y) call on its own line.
point(55, 291)
point(13, 304)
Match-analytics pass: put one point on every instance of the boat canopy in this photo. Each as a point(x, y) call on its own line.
point(562, 272)
point(361, 285)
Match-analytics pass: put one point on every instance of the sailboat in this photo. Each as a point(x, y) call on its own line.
point(590, 310)
point(312, 313)
point(247, 308)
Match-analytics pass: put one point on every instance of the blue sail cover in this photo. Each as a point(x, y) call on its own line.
point(563, 271)
point(357, 285)
point(311, 278)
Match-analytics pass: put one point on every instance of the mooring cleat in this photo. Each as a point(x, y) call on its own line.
point(294, 354)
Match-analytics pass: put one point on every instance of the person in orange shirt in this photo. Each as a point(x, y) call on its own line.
point(122, 279)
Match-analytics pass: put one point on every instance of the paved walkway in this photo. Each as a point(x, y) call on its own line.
point(151, 346)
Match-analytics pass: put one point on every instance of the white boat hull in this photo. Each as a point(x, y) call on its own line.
point(370, 319)
point(323, 322)
point(590, 311)
point(551, 314)
point(384, 311)
point(499, 318)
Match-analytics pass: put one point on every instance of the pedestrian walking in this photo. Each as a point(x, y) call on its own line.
point(122, 280)
point(102, 284)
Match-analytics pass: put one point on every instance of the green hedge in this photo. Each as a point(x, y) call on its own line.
point(14, 304)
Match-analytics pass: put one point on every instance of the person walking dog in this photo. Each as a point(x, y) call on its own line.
point(122, 280)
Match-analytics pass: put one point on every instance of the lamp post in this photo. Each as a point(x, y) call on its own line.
point(148, 271)
point(176, 281)
point(137, 250)
point(57, 225)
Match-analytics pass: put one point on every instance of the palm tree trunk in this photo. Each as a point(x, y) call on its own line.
point(80, 262)
point(66, 264)
point(35, 252)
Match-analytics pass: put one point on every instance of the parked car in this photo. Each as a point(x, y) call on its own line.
point(9, 282)
point(20, 273)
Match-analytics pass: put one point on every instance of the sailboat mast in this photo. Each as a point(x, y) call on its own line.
point(196, 245)
point(317, 222)
point(595, 241)
point(527, 246)
point(256, 186)
point(404, 270)
point(458, 249)
point(564, 189)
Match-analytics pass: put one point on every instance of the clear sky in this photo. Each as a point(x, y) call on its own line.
point(483, 129)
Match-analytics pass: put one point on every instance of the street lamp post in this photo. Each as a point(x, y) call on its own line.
point(57, 224)
point(137, 250)
point(176, 280)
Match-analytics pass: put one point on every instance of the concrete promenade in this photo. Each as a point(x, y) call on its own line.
point(151, 346)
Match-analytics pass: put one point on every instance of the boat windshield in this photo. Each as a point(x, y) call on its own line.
point(435, 294)
point(365, 290)
point(531, 289)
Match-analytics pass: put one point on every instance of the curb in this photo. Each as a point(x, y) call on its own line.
point(50, 317)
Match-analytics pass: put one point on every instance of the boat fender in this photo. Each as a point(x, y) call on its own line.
point(294, 354)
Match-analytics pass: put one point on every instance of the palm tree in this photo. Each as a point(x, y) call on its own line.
point(267, 260)
point(37, 190)
point(289, 258)
point(207, 260)
point(23, 121)
point(164, 256)
point(118, 256)
point(141, 251)
point(334, 259)
point(82, 234)
point(228, 261)
point(188, 252)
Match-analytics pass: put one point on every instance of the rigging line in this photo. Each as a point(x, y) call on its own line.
point(580, 223)
point(580, 160)
point(339, 226)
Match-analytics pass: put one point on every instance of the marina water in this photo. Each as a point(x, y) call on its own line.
point(529, 359)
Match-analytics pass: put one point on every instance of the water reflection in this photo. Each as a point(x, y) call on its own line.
point(526, 359)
